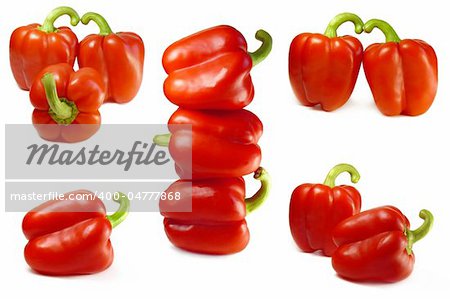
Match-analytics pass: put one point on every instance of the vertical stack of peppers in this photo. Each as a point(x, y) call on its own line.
point(209, 79)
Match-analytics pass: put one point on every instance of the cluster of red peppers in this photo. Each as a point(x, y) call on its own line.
point(402, 74)
point(70, 235)
point(374, 245)
point(42, 59)
point(209, 80)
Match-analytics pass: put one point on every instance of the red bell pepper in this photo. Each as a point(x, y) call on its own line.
point(323, 68)
point(376, 245)
point(118, 57)
point(69, 237)
point(35, 47)
point(402, 74)
point(216, 224)
point(211, 69)
point(220, 143)
point(67, 102)
point(315, 210)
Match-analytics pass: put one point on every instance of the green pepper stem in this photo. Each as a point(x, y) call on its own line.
point(340, 19)
point(330, 180)
point(162, 140)
point(49, 26)
point(419, 233)
point(254, 202)
point(121, 214)
point(388, 31)
point(99, 20)
point(263, 51)
point(61, 110)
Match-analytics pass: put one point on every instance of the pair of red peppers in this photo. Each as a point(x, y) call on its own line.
point(42, 59)
point(209, 79)
point(374, 245)
point(402, 74)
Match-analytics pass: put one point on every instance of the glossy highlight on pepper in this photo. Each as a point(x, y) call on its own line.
point(118, 57)
point(71, 237)
point(323, 68)
point(34, 47)
point(402, 74)
point(211, 69)
point(218, 207)
point(376, 245)
point(315, 209)
point(66, 103)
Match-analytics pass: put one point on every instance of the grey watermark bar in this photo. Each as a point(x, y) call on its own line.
point(143, 196)
point(114, 152)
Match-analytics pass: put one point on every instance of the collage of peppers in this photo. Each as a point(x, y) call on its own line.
point(208, 78)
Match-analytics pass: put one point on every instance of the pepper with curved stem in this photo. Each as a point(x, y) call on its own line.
point(264, 50)
point(316, 209)
point(99, 20)
point(219, 56)
point(214, 221)
point(118, 57)
point(61, 110)
point(71, 237)
point(340, 19)
point(394, 67)
point(323, 68)
point(48, 25)
point(388, 30)
point(34, 47)
point(330, 180)
point(376, 245)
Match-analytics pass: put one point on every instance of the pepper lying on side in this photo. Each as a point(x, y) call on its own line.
point(211, 69)
point(376, 245)
point(71, 237)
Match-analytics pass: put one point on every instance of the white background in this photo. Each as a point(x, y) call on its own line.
point(403, 161)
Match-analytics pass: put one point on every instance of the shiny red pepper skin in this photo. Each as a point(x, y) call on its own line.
point(51, 217)
point(220, 144)
point(71, 237)
point(209, 216)
point(376, 245)
point(83, 90)
point(323, 68)
point(402, 74)
point(211, 69)
point(35, 47)
point(118, 57)
point(216, 224)
point(315, 210)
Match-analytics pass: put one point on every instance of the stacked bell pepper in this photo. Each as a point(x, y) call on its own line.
point(42, 59)
point(209, 80)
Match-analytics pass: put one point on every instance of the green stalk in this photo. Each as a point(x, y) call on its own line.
point(61, 110)
point(162, 140)
point(121, 214)
point(49, 23)
point(330, 180)
point(340, 19)
point(254, 202)
point(263, 51)
point(388, 30)
point(99, 20)
point(419, 233)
